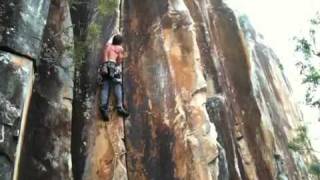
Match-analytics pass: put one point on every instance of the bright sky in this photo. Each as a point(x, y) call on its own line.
point(279, 21)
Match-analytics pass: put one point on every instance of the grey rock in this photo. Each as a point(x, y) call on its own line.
point(6, 168)
point(21, 26)
point(48, 133)
point(16, 81)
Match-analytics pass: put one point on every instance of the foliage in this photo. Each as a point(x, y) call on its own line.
point(301, 142)
point(314, 169)
point(79, 51)
point(243, 20)
point(91, 42)
point(281, 67)
point(94, 34)
point(246, 26)
point(106, 7)
point(94, 30)
point(306, 45)
point(295, 146)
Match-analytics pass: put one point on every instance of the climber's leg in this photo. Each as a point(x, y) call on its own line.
point(104, 99)
point(118, 92)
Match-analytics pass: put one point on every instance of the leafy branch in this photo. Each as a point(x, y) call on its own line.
point(314, 169)
point(307, 46)
point(301, 144)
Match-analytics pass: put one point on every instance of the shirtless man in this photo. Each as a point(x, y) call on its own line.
point(112, 76)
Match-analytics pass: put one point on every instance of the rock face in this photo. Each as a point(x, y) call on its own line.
point(207, 98)
point(22, 23)
point(21, 29)
point(252, 127)
point(279, 114)
point(166, 93)
point(169, 135)
point(16, 85)
point(47, 147)
point(98, 149)
point(190, 70)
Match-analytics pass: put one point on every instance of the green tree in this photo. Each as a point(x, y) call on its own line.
point(309, 64)
point(301, 142)
point(314, 169)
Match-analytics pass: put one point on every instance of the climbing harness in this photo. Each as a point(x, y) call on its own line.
point(111, 70)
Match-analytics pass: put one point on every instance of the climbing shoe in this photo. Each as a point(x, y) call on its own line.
point(104, 114)
point(105, 117)
point(122, 112)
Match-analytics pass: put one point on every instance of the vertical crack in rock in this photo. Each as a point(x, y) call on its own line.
point(98, 146)
point(106, 159)
point(218, 115)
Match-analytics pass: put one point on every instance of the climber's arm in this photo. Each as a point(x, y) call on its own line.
point(109, 42)
point(121, 56)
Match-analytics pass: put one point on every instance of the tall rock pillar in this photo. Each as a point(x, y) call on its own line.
point(21, 28)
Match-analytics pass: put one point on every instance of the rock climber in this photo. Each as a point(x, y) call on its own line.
point(110, 71)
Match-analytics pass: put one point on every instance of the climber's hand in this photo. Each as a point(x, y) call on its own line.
point(115, 32)
point(125, 55)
